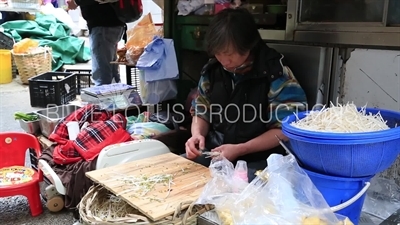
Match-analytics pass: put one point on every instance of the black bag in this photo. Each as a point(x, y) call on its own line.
point(128, 11)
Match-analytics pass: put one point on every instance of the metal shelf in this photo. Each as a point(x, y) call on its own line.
point(11, 9)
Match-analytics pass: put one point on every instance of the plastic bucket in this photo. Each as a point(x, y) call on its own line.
point(392, 118)
point(345, 196)
point(346, 154)
point(5, 66)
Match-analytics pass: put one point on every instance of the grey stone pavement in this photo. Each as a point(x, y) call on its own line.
point(15, 210)
point(15, 97)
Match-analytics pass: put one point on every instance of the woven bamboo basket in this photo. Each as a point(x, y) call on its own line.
point(98, 199)
point(35, 63)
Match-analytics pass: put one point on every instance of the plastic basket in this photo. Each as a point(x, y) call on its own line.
point(83, 78)
point(52, 88)
point(346, 154)
point(6, 42)
point(132, 77)
point(392, 118)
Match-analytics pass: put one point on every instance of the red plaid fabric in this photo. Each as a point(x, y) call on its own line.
point(100, 134)
point(88, 113)
point(104, 130)
point(60, 158)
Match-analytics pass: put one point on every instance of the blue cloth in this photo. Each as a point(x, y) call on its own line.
point(109, 89)
point(159, 60)
point(147, 129)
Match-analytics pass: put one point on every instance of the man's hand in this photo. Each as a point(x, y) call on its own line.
point(229, 151)
point(192, 151)
point(72, 4)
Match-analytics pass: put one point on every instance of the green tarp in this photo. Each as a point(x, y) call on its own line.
point(50, 32)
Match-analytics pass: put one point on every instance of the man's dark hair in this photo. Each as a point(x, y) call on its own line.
point(234, 28)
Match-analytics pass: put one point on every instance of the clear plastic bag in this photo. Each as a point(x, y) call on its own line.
point(223, 188)
point(156, 91)
point(383, 198)
point(223, 182)
point(25, 46)
point(281, 194)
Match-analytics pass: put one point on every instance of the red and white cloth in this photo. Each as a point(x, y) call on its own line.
point(104, 129)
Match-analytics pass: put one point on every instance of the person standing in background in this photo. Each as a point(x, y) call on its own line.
point(105, 31)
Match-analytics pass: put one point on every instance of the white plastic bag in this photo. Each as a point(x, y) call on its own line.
point(58, 13)
point(383, 198)
point(281, 194)
point(156, 91)
point(223, 182)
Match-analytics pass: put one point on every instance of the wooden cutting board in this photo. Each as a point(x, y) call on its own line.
point(188, 180)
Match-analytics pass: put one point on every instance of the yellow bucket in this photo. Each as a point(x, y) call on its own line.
point(5, 66)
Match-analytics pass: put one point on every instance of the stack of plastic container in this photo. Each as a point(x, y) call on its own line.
point(342, 164)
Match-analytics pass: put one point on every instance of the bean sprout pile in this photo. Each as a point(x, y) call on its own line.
point(112, 207)
point(342, 119)
point(141, 185)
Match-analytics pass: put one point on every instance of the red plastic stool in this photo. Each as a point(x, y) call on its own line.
point(15, 179)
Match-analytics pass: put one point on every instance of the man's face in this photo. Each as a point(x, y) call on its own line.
point(231, 59)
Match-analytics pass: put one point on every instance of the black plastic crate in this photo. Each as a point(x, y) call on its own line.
point(52, 88)
point(6, 42)
point(132, 77)
point(83, 78)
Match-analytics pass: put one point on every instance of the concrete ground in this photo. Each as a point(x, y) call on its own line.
point(15, 97)
point(15, 210)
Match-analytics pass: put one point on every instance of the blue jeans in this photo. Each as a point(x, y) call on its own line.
point(103, 46)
